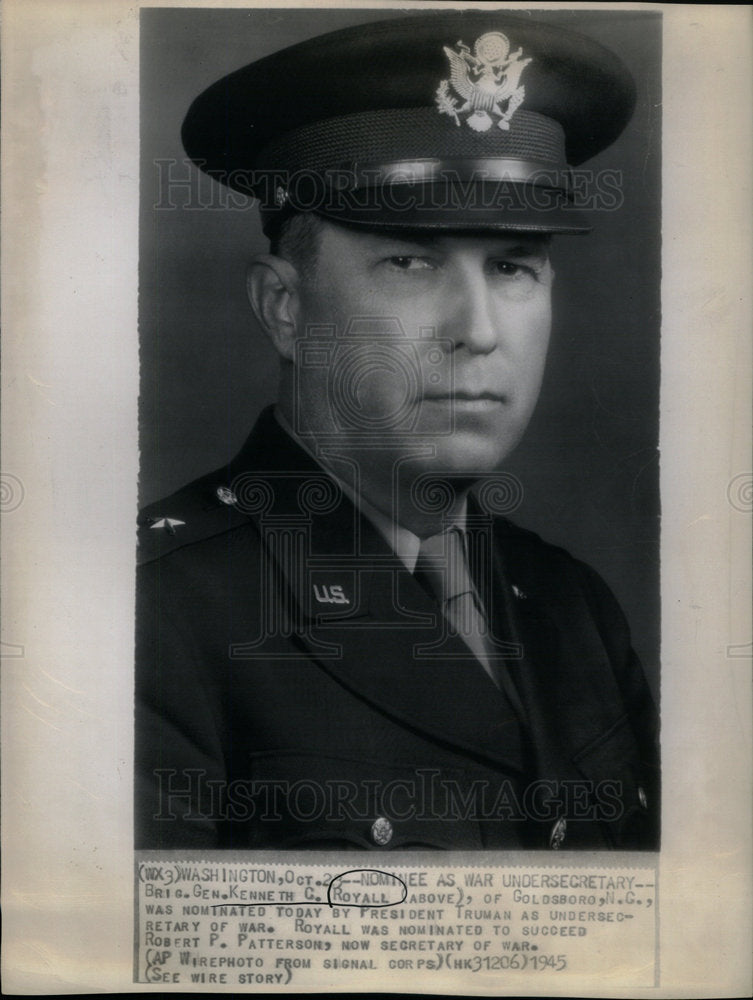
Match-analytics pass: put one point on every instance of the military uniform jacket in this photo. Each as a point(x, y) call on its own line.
point(297, 688)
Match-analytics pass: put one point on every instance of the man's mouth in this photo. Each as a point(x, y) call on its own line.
point(467, 399)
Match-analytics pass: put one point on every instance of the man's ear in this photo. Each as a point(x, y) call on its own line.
point(272, 288)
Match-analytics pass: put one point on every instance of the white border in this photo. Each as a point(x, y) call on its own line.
point(70, 369)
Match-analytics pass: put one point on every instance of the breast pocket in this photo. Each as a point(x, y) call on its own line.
point(624, 788)
point(312, 800)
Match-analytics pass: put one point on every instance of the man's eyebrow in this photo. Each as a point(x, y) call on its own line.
point(420, 240)
point(527, 250)
point(536, 255)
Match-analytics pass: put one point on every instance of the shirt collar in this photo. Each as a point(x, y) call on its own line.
point(404, 543)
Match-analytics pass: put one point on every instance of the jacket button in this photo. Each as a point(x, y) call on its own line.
point(642, 797)
point(381, 831)
point(557, 836)
point(226, 496)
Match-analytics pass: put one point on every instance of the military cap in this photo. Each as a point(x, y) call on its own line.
point(468, 119)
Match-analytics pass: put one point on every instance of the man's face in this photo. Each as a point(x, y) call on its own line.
point(426, 349)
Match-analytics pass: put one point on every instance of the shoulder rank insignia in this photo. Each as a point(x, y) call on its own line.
point(486, 80)
point(168, 523)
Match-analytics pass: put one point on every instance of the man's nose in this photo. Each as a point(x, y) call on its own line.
point(471, 317)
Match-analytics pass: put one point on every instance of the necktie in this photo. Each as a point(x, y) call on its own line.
point(442, 569)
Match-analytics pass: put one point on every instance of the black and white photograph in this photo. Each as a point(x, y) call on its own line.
point(375, 498)
point(399, 288)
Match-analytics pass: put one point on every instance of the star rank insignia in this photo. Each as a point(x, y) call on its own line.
point(168, 523)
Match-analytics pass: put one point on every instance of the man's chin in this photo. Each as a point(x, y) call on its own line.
point(465, 456)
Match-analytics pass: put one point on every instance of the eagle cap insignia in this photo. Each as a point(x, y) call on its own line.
point(486, 80)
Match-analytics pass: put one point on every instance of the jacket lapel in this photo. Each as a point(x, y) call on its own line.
point(402, 660)
point(565, 679)
point(359, 613)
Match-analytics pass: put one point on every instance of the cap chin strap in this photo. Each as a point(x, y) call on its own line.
point(432, 170)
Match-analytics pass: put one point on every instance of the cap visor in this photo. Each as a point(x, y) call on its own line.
point(502, 207)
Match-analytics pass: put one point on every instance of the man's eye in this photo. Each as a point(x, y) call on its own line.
point(409, 263)
point(508, 269)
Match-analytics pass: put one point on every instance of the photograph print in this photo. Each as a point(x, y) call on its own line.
point(398, 545)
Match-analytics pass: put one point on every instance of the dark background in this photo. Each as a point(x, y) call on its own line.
point(589, 461)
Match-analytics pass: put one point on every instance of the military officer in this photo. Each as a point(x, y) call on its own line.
point(341, 640)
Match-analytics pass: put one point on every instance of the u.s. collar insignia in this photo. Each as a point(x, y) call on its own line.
point(486, 80)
